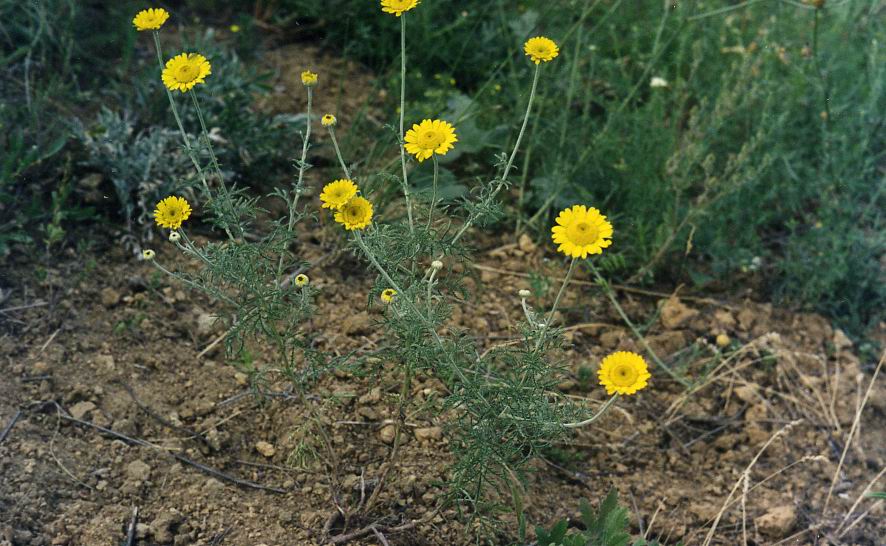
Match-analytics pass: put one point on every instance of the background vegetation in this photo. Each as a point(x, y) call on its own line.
point(760, 164)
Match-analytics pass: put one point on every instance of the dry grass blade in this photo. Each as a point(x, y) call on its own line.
point(743, 476)
point(852, 430)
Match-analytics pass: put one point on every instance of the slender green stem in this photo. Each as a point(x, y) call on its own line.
point(532, 93)
point(431, 291)
point(504, 178)
point(433, 191)
point(193, 285)
point(593, 418)
point(178, 120)
point(299, 183)
point(402, 114)
point(821, 75)
point(372, 259)
point(205, 132)
point(302, 164)
point(611, 295)
point(341, 160)
point(214, 161)
point(550, 316)
point(566, 280)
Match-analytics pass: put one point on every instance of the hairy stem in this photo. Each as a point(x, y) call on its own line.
point(504, 178)
point(341, 161)
point(402, 114)
point(593, 418)
point(611, 295)
point(433, 191)
point(299, 184)
point(186, 140)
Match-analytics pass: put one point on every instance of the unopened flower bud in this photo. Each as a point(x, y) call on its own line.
point(437, 264)
point(148, 254)
point(328, 120)
point(524, 293)
point(301, 280)
point(308, 78)
point(174, 237)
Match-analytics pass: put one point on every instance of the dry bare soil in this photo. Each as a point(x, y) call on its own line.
point(104, 340)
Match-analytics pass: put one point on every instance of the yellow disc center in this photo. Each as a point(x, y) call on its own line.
point(352, 212)
point(583, 233)
point(187, 72)
point(624, 375)
point(431, 139)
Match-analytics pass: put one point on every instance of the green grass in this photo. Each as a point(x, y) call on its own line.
point(760, 163)
point(730, 176)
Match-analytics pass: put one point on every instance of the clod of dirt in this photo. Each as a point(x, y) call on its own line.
point(265, 449)
point(109, 297)
point(428, 433)
point(526, 244)
point(371, 397)
point(163, 526)
point(667, 342)
point(80, 409)
point(675, 313)
point(610, 339)
point(106, 362)
point(841, 340)
point(387, 433)
point(778, 521)
point(359, 323)
point(207, 323)
point(747, 393)
point(138, 470)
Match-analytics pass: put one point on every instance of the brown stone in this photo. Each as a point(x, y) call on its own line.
point(777, 522)
point(675, 313)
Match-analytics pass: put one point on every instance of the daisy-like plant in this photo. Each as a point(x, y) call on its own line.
point(150, 19)
point(309, 79)
point(337, 193)
point(623, 373)
point(541, 49)
point(430, 138)
point(356, 213)
point(581, 231)
point(398, 7)
point(186, 70)
point(172, 211)
point(502, 403)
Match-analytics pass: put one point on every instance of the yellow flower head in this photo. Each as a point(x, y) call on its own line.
point(185, 70)
point(430, 137)
point(235, 28)
point(581, 231)
point(171, 212)
point(355, 214)
point(148, 254)
point(541, 49)
point(388, 295)
point(623, 373)
point(337, 193)
point(397, 7)
point(328, 120)
point(301, 280)
point(308, 78)
point(150, 19)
